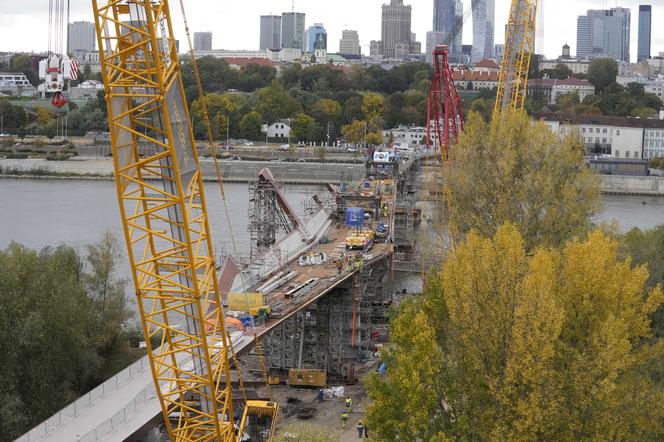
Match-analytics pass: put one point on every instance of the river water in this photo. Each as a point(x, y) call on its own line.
point(41, 213)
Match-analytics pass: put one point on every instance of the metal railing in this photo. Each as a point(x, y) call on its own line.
point(88, 399)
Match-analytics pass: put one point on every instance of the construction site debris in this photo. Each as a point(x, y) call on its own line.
point(313, 259)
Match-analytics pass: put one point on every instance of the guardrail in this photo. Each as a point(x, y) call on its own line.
point(88, 399)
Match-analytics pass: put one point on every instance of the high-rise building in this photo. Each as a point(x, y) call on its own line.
point(395, 26)
point(81, 37)
point(376, 48)
point(312, 35)
point(434, 38)
point(202, 41)
point(484, 17)
point(292, 30)
point(349, 43)
point(645, 32)
point(270, 32)
point(604, 32)
point(617, 33)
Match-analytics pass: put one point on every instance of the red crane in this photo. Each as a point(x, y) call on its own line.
point(444, 112)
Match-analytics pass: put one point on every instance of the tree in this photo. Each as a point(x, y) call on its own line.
point(273, 102)
point(13, 117)
point(326, 110)
point(373, 105)
point(514, 345)
point(43, 115)
point(250, 125)
point(46, 335)
point(355, 132)
point(568, 101)
point(107, 294)
point(602, 72)
point(524, 174)
point(300, 126)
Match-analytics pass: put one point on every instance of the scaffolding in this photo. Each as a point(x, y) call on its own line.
point(336, 331)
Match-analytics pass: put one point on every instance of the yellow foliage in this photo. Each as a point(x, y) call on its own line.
point(546, 345)
point(525, 175)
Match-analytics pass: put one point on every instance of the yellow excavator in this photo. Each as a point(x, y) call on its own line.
point(166, 226)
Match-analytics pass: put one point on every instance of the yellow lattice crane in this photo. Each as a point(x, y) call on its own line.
point(164, 216)
point(519, 47)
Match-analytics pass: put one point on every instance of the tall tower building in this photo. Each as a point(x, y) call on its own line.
point(484, 17)
point(645, 32)
point(395, 29)
point(81, 37)
point(270, 32)
point(202, 41)
point(312, 35)
point(349, 43)
point(604, 32)
point(292, 30)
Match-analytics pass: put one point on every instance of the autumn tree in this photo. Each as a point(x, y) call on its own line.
point(355, 132)
point(373, 105)
point(507, 344)
point(524, 174)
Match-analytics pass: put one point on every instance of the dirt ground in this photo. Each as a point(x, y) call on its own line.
point(327, 415)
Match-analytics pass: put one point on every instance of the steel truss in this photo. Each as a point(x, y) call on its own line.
point(164, 219)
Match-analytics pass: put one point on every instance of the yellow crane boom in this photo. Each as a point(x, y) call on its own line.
point(164, 216)
point(519, 47)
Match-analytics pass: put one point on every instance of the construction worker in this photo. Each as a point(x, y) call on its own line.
point(344, 418)
point(349, 403)
point(360, 429)
point(340, 265)
point(321, 395)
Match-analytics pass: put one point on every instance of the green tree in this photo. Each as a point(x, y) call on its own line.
point(46, 335)
point(23, 63)
point(250, 125)
point(514, 345)
point(524, 174)
point(273, 102)
point(13, 117)
point(602, 72)
point(300, 126)
point(107, 293)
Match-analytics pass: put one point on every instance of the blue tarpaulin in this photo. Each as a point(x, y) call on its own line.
point(355, 216)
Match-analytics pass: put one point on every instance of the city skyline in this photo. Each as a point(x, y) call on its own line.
point(24, 25)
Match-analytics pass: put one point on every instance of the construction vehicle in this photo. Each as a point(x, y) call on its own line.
point(360, 239)
point(261, 312)
point(165, 222)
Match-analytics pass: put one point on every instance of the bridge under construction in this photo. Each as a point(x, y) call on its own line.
point(327, 302)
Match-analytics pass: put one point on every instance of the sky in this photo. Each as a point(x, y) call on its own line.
point(235, 23)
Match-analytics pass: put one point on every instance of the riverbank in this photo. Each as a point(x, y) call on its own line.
point(232, 171)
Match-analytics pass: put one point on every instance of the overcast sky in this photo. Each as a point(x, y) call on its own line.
point(235, 23)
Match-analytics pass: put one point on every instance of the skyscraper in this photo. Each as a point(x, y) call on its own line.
point(484, 17)
point(434, 38)
point(603, 32)
point(202, 41)
point(270, 32)
point(81, 37)
point(395, 29)
point(311, 36)
point(645, 32)
point(349, 43)
point(292, 30)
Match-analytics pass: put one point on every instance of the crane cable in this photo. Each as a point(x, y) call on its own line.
point(220, 180)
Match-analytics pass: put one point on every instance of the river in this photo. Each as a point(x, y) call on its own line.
point(41, 213)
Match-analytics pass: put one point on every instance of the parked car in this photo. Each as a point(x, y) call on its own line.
point(284, 147)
